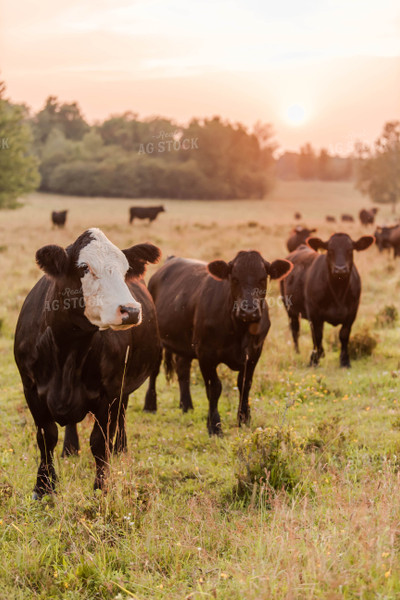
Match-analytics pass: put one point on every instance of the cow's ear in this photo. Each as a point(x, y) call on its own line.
point(280, 269)
point(219, 269)
point(364, 242)
point(138, 256)
point(316, 243)
point(53, 260)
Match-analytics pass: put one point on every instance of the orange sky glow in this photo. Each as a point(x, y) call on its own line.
point(326, 73)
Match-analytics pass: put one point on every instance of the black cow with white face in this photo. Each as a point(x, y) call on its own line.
point(86, 338)
point(217, 313)
point(325, 287)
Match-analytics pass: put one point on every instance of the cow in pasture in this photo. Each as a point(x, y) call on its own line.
point(298, 236)
point(145, 212)
point(324, 287)
point(388, 237)
point(59, 218)
point(367, 217)
point(86, 337)
point(297, 216)
point(216, 313)
point(330, 219)
point(346, 218)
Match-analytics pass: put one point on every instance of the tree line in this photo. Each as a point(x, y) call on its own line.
point(56, 150)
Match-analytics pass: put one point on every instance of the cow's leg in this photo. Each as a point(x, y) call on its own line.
point(183, 371)
point(101, 440)
point(317, 328)
point(121, 443)
point(46, 436)
point(295, 329)
point(344, 336)
point(150, 401)
point(244, 381)
point(213, 388)
point(71, 441)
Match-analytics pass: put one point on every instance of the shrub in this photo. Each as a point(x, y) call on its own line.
point(387, 316)
point(270, 458)
point(362, 344)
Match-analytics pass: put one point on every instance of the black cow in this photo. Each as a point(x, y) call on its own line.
point(59, 218)
point(216, 313)
point(297, 216)
point(347, 218)
point(330, 219)
point(77, 347)
point(298, 236)
point(324, 287)
point(367, 217)
point(145, 212)
point(388, 237)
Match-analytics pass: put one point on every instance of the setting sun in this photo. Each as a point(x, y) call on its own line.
point(295, 114)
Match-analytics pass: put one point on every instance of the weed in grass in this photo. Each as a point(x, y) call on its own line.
point(387, 316)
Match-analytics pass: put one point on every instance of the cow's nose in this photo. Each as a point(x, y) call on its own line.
point(341, 270)
point(130, 315)
point(249, 314)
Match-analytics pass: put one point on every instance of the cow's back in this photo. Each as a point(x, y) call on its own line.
point(292, 287)
point(176, 289)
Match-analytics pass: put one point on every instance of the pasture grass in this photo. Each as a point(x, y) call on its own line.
point(172, 525)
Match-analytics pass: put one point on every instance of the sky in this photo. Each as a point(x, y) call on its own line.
point(325, 72)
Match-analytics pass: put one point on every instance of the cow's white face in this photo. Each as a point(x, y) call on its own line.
point(108, 300)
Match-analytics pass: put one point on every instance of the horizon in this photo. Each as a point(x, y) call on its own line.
point(326, 75)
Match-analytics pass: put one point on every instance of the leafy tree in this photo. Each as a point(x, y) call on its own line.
point(307, 163)
point(65, 117)
point(379, 167)
point(18, 166)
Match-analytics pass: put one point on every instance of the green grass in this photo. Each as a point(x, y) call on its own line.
point(171, 525)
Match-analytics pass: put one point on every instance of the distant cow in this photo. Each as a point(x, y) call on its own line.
point(330, 219)
point(217, 313)
point(298, 236)
point(59, 217)
point(388, 237)
point(145, 212)
point(86, 338)
point(347, 218)
point(324, 287)
point(367, 217)
point(297, 216)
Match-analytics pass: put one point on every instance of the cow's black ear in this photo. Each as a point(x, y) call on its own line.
point(138, 256)
point(280, 269)
point(53, 260)
point(316, 243)
point(364, 242)
point(219, 269)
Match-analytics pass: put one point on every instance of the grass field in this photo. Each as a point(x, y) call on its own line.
point(172, 525)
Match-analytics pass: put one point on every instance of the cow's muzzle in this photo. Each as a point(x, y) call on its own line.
point(130, 315)
point(341, 271)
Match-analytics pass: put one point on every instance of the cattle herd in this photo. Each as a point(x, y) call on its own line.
point(90, 332)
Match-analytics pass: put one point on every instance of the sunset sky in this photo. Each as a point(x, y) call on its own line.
point(326, 72)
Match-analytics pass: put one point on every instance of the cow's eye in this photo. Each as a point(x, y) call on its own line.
point(83, 269)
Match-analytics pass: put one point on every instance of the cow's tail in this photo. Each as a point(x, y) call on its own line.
point(169, 364)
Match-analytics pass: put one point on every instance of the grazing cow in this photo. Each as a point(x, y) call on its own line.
point(86, 338)
point(367, 217)
point(217, 313)
point(347, 218)
point(330, 219)
point(59, 217)
point(145, 212)
point(297, 216)
point(388, 237)
point(298, 236)
point(324, 287)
